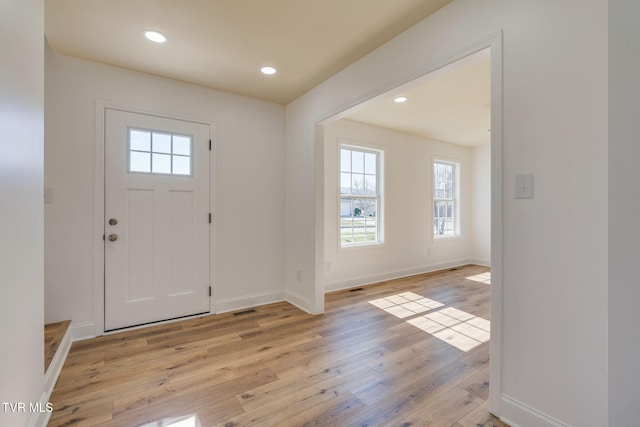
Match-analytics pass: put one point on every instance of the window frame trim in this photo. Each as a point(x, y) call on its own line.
point(380, 166)
point(456, 199)
point(151, 152)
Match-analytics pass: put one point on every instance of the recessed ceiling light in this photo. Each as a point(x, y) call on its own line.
point(400, 99)
point(155, 36)
point(268, 70)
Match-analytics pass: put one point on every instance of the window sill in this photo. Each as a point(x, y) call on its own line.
point(446, 238)
point(361, 246)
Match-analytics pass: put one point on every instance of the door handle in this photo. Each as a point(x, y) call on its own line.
point(113, 221)
point(113, 237)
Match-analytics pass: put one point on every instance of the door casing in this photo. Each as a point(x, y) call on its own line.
point(162, 297)
point(97, 327)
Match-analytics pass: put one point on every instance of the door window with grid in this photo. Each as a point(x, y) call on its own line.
point(159, 152)
point(360, 196)
point(445, 199)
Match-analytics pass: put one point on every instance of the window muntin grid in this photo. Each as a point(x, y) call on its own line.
point(158, 152)
point(445, 199)
point(360, 199)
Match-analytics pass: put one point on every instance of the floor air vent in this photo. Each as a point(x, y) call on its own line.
point(240, 313)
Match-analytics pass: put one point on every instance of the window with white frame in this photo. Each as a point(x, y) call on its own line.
point(360, 196)
point(158, 152)
point(445, 199)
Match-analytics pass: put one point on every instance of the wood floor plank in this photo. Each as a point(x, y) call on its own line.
point(389, 382)
point(412, 397)
point(331, 413)
point(289, 382)
point(86, 415)
point(303, 398)
point(480, 417)
point(478, 385)
point(367, 356)
point(170, 391)
point(444, 410)
point(188, 397)
point(358, 364)
point(84, 394)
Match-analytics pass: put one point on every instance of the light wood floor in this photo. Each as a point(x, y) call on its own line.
point(53, 335)
point(356, 365)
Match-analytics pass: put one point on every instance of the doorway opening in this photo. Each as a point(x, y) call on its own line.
point(341, 268)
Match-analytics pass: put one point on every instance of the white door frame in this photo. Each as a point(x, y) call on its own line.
point(99, 206)
point(494, 42)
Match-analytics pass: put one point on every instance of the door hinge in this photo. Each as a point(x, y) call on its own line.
point(209, 217)
point(209, 290)
point(103, 237)
point(209, 145)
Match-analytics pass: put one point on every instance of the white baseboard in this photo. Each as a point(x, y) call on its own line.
point(375, 278)
point(87, 330)
point(480, 261)
point(82, 331)
point(517, 414)
point(299, 301)
point(50, 378)
point(53, 372)
point(248, 301)
point(41, 418)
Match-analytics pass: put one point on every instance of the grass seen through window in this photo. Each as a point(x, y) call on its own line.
point(360, 199)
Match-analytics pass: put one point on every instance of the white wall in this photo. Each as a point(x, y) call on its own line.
point(21, 212)
point(624, 212)
point(554, 355)
point(480, 250)
point(249, 182)
point(409, 246)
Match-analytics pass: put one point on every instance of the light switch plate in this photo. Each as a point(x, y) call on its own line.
point(524, 186)
point(48, 196)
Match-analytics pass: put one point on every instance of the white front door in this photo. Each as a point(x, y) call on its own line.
point(156, 218)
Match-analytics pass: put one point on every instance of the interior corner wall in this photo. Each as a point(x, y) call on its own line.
point(21, 214)
point(555, 266)
point(409, 246)
point(480, 247)
point(624, 211)
point(248, 196)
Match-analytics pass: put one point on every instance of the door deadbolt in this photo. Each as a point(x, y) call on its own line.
point(113, 221)
point(113, 237)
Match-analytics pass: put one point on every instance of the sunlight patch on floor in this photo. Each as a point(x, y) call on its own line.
point(482, 278)
point(455, 327)
point(405, 304)
point(191, 421)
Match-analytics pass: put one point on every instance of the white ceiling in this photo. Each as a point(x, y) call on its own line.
point(222, 44)
point(452, 104)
